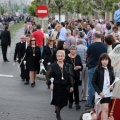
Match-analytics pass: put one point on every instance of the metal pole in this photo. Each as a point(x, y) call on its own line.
point(42, 23)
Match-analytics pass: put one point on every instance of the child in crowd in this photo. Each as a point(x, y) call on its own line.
point(102, 79)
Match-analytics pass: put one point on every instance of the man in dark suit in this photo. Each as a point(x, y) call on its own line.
point(22, 54)
point(5, 42)
point(17, 57)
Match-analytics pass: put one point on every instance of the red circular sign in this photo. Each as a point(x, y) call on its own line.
point(42, 11)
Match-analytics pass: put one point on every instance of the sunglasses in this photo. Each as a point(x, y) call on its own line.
point(32, 40)
point(51, 40)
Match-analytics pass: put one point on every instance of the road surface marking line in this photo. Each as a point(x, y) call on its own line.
point(3, 75)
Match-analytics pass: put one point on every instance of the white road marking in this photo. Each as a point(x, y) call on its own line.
point(3, 75)
point(42, 11)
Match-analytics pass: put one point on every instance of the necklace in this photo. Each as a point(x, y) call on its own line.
point(61, 69)
point(33, 49)
point(72, 60)
point(51, 49)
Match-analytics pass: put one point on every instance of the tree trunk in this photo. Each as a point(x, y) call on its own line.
point(59, 8)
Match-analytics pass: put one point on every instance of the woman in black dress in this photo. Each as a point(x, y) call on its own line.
point(32, 58)
point(73, 59)
point(62, 84)
point(48, 51)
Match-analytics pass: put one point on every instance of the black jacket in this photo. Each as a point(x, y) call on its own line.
point(78, 62)
point(5, 38)
point(47, 55)
point(17, 51)
point(98, 79)
point(23, 50)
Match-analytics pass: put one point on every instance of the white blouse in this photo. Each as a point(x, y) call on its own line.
point(106, 85)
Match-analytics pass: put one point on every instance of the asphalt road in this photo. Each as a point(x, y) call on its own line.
point(20, 102)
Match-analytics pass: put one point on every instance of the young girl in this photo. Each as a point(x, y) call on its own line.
point(102, 79)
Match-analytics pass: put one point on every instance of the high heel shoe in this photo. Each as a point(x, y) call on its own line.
point(32, 84)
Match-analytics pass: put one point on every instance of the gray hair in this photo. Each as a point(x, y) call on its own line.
point(79, 41)
point(76, 31)
point(68, 31)
point(73, 47)
point(97, 34)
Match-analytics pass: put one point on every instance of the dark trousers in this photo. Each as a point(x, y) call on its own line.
point(75, 92)
point(118, 24)
point(27, 73)
point(22, 70)
point(4, 51)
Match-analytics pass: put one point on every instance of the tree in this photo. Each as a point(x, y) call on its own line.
point(32, 8)
point(58, 6)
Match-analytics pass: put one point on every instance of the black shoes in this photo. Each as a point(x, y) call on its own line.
point(78, 106)
point(6, 61)
point(26, 83)
point(33, 84)
point(70, 105)
point(58, 116)
point(48, 86)
point(23, 79)
point(89, 105)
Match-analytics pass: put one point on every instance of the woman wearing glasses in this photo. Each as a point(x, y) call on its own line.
point(32, 58)
point(48, 51)
point(73, 59)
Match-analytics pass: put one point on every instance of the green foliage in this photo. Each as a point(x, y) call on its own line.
point(85, 7)
point(109, 5)
point(2, 10)
point(32, 10)
point(16, 7)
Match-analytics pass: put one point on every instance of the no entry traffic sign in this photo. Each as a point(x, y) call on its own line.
point(42, 11)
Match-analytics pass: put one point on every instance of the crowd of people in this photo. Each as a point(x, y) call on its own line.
point(70, 55)
point(74, 53)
